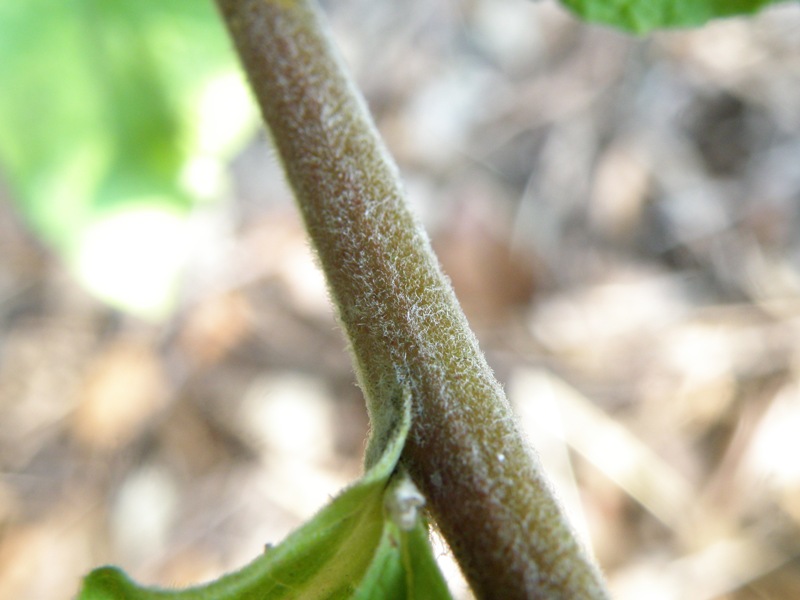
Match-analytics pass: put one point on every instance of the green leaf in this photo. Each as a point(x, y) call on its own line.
point(100, 119)
point(369, 542)
point(404, 567)
point(641, 16)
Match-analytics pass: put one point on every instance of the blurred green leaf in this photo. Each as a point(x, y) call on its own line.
point(641, 16)
point(105, 114)
point(369, 542)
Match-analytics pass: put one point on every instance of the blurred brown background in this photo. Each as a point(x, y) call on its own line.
point(619, 218)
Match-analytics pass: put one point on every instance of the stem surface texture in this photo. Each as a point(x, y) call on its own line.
point(483, 484)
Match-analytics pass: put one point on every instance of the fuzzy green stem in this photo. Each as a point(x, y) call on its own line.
point(483, 485)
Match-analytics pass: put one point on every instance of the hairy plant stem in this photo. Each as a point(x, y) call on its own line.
point(483, 485)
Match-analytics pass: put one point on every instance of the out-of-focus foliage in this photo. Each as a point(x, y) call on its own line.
point(107, 135)
point(641, 16)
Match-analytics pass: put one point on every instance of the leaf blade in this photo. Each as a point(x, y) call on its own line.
point(643, 16)
point(352, 548)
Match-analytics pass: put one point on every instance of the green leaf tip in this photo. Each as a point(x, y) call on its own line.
point(643, 16)
point(369, 542)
